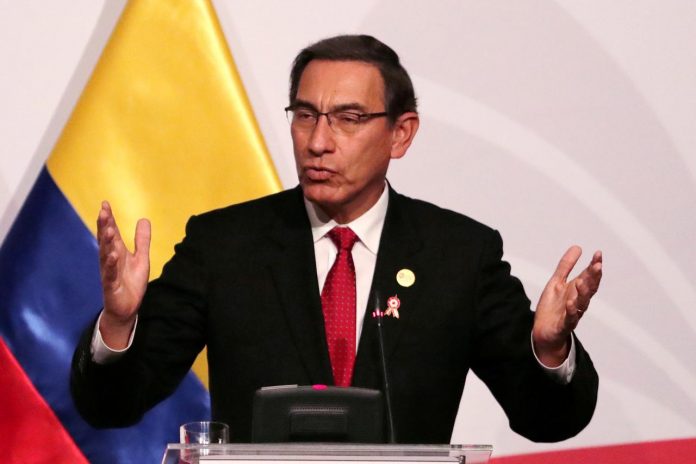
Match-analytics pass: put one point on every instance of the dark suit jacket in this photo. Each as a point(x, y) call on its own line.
point(243, 281)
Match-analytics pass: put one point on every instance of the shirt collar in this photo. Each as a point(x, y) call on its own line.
point(367, 227)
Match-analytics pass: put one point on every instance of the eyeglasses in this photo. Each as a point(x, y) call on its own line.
point(342, 122)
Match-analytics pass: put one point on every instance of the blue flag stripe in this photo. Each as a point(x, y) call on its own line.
point(49, 293)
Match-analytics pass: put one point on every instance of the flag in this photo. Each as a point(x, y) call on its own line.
point(163, 130)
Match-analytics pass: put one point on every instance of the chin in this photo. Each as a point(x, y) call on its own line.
point(315, 191)
point(320, 194)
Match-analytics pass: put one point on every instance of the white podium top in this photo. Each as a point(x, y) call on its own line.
point(325, 453)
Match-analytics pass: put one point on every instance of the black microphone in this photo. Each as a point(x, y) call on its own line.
point(378, 315)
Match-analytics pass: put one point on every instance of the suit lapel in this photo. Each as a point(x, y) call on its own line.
point(293, 269)
point(400, 248)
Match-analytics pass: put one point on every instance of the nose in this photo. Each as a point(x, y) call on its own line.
point(321, 139)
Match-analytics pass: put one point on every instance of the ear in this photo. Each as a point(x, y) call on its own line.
point(403, 131)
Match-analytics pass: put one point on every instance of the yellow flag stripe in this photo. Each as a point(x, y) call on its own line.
point(163, 128)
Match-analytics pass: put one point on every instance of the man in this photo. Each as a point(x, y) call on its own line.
point(279, 288)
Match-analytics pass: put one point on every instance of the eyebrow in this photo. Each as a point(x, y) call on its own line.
point(342, 107)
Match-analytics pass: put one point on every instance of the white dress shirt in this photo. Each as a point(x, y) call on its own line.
point(368, 228)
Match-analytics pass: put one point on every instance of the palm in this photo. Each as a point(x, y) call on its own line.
point(124, 274)
point(551, 317)
point(564, 302)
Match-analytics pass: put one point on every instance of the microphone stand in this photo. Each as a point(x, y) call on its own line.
point(385, 377)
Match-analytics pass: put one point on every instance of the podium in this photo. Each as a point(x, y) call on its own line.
point(325, 453)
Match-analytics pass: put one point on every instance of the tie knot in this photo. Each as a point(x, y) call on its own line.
point(343, 237)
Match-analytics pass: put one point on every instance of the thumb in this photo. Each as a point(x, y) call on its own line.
point(567, 263)
point(142, 238)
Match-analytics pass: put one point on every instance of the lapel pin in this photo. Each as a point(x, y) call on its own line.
point(405, 277)
point(393, 304)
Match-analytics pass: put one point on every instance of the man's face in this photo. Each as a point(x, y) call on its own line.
point(343, 174)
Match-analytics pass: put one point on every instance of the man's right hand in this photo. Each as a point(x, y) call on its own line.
point(124, 277)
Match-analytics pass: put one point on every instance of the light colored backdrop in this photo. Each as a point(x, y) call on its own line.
point(556, 122)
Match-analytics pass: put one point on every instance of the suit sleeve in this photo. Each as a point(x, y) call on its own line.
point(537, 407)
point(170, 334)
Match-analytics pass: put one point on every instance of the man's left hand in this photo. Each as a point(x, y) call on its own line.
point(562, 305)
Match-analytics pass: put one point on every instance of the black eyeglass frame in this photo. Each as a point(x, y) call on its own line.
point(362, 117)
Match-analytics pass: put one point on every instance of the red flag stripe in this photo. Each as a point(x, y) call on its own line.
point(30, 431)
point(681, 451)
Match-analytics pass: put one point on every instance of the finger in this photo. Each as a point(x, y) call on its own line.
point(142, 238)
point(110, 270)
point(106, 245)
point(102, 219)
point(117, 233)
point(571, 307)
point(111, 221)
point(584, 293)
point(107, 233)
point(567, 263)
point(597, 257)
point(596, 264)
point(573, 313)
point(592, 275)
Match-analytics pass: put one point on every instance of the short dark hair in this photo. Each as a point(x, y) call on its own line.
point(399, 96)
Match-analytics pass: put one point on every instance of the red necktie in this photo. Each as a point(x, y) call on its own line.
point(338, 304)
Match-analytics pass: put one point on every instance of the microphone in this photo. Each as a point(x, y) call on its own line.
point(378, 314)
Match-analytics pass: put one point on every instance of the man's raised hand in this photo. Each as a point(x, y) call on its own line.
point(562, 304)
point(124, 277)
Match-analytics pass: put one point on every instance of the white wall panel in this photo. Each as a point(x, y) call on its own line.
point(556, 122)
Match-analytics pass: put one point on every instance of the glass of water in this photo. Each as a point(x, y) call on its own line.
point(204, 433)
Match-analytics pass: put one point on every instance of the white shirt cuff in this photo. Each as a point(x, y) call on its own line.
point(562, 374)
point(101, 353)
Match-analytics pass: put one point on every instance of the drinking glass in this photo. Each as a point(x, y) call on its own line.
point(204, 433)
